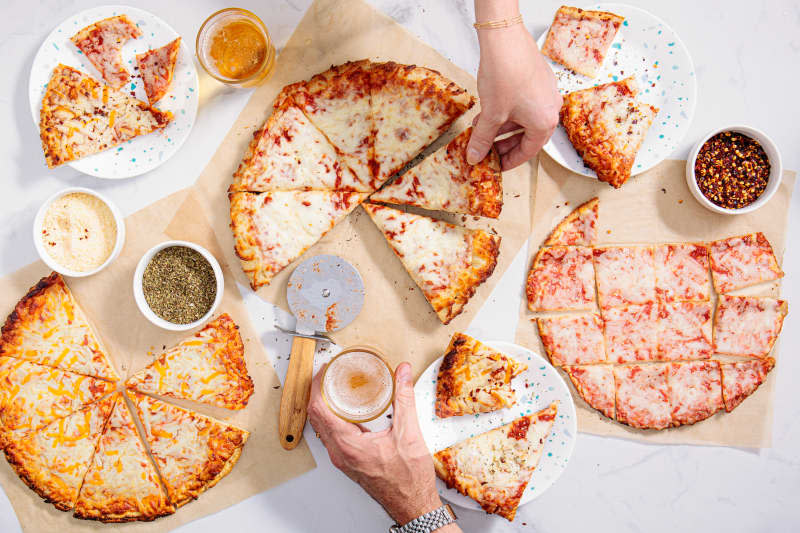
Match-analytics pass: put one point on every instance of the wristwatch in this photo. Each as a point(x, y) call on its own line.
point(428, 522)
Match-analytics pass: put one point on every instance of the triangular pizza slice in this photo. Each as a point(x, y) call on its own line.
point(411, 107)
point(121, 484)
point(290, 153)
point(48, 327)
point(101, 43)
point(474, 378)
point(156, 67)
point(81, 117)
point(272, 229)
point(607, 125)
point(32, 395)
point(494, 468)
point(445, 181)
point(447, 262)
point(192, 451)
point(579, 228)
point(53, 460)
point(740, 379)
point(208, 367)
point(337, 102)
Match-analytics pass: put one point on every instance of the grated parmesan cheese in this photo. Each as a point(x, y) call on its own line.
point(79, 231)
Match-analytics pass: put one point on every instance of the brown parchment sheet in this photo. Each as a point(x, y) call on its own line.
point(656, 207)
point(132, 341)
point(396, 317)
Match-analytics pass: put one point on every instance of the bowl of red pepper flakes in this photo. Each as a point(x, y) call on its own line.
point(734, 170)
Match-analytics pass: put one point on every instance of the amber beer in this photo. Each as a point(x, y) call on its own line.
point(358, 384)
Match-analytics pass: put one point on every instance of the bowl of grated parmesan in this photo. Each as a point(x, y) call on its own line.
point(78, 232)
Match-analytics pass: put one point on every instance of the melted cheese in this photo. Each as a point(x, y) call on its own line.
point(682, 272)
point(643, 395)
point(746, 325)
point(625, 275)
point(156, 68)
point(631, 333)
point(580, 39)
point(739, 262)
point(740, 380)
point(562, 279)
point(684, 330)
point(695, 390)
point(573, 340)
point(595, 384)
point(102, 42)
point(579, 228)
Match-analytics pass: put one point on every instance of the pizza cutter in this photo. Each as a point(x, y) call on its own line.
point(325, 293)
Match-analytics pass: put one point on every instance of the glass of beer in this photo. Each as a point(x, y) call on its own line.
point(358, 384)
point(234, 47)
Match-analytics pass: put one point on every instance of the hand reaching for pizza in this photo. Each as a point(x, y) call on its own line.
point(394, 466)
point(517, 91)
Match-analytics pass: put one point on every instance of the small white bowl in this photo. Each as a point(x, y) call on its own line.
point(775, 174)
point(138, 293)
point(39, 221)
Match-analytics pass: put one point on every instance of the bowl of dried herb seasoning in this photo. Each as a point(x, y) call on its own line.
point(178, 285)
point(734, 170)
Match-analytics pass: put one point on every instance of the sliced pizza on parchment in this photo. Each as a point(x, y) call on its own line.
point(156, 67)
point(742, 261)
point(740, 379)
point(573, 339)
point(579, 228)
point(595, 384)
point(561, 279)
point(447, 262)
point(208, 367)
point(748, 325)
point(494, 468)
point(102, 42)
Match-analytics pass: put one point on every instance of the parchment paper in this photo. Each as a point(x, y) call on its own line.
point(396, 317)
point(107, 299)
point(657, 207)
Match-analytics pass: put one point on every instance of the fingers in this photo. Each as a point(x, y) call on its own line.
point(482, 138)
point(405, 409)
point(322, 419)
point(527, 147)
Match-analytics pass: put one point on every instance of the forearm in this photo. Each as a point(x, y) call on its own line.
point(488, 10)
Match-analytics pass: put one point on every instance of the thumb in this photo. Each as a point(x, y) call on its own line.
point(482, 138)
point(405, 410)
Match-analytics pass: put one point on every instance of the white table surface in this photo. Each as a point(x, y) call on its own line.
point(746, 55)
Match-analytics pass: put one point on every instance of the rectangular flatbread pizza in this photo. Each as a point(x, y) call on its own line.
point(625, 275)
point(682, 272)
point(573, 339)
point(738, 262)
point(642, 395)
point(631, 333)
point(747, 325)
point(595, 384)
point(684, 331)
point(561, 279)
point(695, 391)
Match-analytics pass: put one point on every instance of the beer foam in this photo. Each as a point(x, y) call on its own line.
point(358, 385)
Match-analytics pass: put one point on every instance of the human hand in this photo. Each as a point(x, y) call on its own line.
point(517, 90)
point(393, 466)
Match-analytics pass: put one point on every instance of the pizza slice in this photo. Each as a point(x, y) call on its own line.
point(684, 330)
point(494, 468)
point(741, 379)
point(682, 272)
point(447, 262)
point(102, 42)
point(290, 153)
point(595, 384)
point(192, 451)
point(474, 378)
point(580, 39)
point(561, 279)
point(738, 262)
point(48, 327)
point(411, 107)
point(156, 68)
point(695, 391)
point(631, 333)
point(81, 117)
point(53, 460)
point(642, 395)
point(121, 484)
point(208, 367)
point(625, 275)
point(445, 181)
point(747, 325)
point(272, 229)
point(337, 102)
point(607, 125)
point(579, 228)
point(573, 339)
point(32, 395)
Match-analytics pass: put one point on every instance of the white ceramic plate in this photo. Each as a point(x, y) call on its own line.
point(648, 49)
point(536, 388)
point(144, 153)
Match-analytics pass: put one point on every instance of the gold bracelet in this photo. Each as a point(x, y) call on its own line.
point(496, 24)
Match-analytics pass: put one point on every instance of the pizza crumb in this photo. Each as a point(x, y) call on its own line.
point(608, 231)
point(276, 387)
point(680, 201)
point(664, 190)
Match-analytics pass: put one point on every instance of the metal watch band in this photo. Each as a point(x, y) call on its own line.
point(428, 522)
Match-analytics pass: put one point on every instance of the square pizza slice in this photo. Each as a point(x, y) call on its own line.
point(742, 261)
point(579, 39)
point(684, 330)
point(595, 384)
point(573, 339)
point(625, 275)
point(631, 333)
point(561, 279)
point(695, 391)
point(747, 325)
point(682, 272)
point(642, 395)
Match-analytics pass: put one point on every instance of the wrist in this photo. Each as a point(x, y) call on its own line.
point(416, 508)
point(486, 10)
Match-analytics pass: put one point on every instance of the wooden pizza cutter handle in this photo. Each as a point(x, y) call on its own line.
point(296, 391)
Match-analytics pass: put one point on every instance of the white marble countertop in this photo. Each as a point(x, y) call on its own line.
point(746, 56)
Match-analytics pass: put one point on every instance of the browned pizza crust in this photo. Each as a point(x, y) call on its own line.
point(564, 233)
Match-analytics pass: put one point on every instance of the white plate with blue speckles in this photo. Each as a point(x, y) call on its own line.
point(141, 154)
point(536, 388)
point(648, 49)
